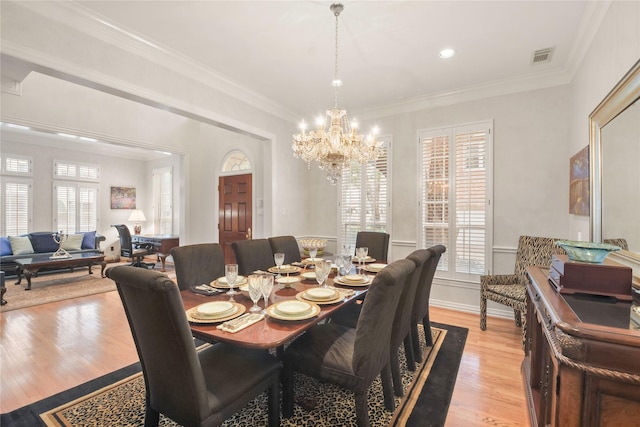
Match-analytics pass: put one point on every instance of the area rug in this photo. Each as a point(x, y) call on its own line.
point(50, 287)
point(117, 399)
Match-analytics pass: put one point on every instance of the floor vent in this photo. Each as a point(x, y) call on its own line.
point(542, 56)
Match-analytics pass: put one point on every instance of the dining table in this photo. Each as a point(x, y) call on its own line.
point(271, 332)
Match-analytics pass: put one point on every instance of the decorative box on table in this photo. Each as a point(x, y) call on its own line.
point(607, 278)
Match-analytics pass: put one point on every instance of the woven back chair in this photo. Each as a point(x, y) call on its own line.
point(510, 289)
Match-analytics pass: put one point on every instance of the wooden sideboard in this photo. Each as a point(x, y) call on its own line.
point(162, 244)
point(582, 358)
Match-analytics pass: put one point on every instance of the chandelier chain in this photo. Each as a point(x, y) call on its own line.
point(335, 72)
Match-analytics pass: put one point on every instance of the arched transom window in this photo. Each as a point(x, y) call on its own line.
point(236, 161)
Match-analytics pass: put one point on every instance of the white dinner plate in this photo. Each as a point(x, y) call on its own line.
point(309, 275)
point(321, 293)
point(374, 268)
point(284, 280)
point(214, 309)
point(275, 314)
point(193, 317)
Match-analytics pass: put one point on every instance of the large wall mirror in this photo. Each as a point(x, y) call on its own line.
point(614, 156)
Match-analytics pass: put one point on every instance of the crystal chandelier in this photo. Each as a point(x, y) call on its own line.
point(335, 143)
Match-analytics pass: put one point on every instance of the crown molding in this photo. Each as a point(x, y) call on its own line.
point(81, 19)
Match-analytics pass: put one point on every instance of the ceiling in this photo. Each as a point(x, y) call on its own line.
point(388, 50)
point(283, 51)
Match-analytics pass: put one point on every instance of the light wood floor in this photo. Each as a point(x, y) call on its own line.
point(53, 347)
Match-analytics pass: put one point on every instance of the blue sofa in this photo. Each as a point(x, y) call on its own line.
point(42, 243)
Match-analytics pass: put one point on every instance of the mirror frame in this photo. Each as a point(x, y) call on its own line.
point(625, 93)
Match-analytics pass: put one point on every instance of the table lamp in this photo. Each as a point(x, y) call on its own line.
point(137, 216)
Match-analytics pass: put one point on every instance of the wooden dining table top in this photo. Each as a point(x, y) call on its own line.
point(268, 333)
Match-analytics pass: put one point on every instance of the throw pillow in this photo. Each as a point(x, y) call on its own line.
point(89, 240)
point(20, 245)
point(43, 242)
point(5, 247)
point(73, 242)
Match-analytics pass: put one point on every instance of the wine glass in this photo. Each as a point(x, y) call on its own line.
point(339, 261)
point(266, 288)
point(361, 253)
point(322, 271)
point(313, 251)
point(347, 263)
point(255, 291)
point(231, 274)
point(278, 257)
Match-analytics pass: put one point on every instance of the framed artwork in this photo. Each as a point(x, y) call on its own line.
point(579, 183)
point(123, 197)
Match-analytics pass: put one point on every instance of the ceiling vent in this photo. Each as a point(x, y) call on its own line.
point(541, 56)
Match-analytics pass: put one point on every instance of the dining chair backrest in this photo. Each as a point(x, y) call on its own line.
point(402, 320)
point(423, 292)
point(373, 330)
point(173, 376)
point(197, 264)
point(288, 245)
point(377, 242)
point(253, 255)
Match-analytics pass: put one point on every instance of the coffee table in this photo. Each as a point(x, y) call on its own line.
point(32, 265)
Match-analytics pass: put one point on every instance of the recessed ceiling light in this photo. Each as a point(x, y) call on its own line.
point(447, 53)
point(84, 138)
point(66, 135)
point(11, 125)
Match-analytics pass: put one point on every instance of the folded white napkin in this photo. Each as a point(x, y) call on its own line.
point(239, 323)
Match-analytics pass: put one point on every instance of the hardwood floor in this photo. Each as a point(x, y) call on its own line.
point(50, 348)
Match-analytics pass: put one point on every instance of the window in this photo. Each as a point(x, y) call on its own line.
point(75, 196)
point(16, 194)
point(163, 200)
point(364, 197)
point(76, 206)
point(455, 190)
point(236, 161)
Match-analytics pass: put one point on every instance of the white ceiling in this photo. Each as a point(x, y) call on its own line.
point(388, 54)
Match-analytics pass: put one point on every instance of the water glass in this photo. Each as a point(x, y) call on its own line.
point(362, 253)
point(231, 274)
point(322, 271)
point(278, 257)
point(347, 258)
point(339, 261)
point(266, 288)
point(313, 251)
point(255, 291)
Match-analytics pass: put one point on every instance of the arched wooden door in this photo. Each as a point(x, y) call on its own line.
point(235, 209)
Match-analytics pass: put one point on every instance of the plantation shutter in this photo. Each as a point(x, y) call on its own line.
point(17, 196)
point(454, 197)
point(364, 197)
point(435, 193)
point(163, 200)
point(87, 209)
point(66, 208)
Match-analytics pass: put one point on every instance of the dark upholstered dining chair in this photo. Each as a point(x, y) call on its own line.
point(288, 245)
point(129, 250)
point(197, 264)
point(377, 242)
point(352, 357)
point(401, 331)
point(420, 312)
point(253, 255)
point(193, 388)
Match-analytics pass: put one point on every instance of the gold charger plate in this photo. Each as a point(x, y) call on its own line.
point(368, 259)
point(285, 269)
point(300, 296)
point(374, 268)
point(191, 318)
point(224, 285)
point(273, 312)
point(287, 281)
point(365, 282)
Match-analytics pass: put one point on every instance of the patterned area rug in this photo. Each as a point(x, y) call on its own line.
point(49, 287)
point(117, 399)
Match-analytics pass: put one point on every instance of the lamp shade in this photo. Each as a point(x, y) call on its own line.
point(137, 216)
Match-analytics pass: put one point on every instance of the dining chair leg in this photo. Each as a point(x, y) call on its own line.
point(417, 351)
point(362, 408)
point(287, 391)
point(151, 416)
point(395, 374)
point(274, 404)
point(428, 336)
point(408, 351)
point(387, 388)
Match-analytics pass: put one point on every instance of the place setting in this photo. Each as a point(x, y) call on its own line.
point(374, 267)
point(322, 295)
point(293, 310)
point(353, 280)
point(215, 312)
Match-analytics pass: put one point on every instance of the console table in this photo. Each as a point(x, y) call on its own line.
point(582, 363)
point(161, 244)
